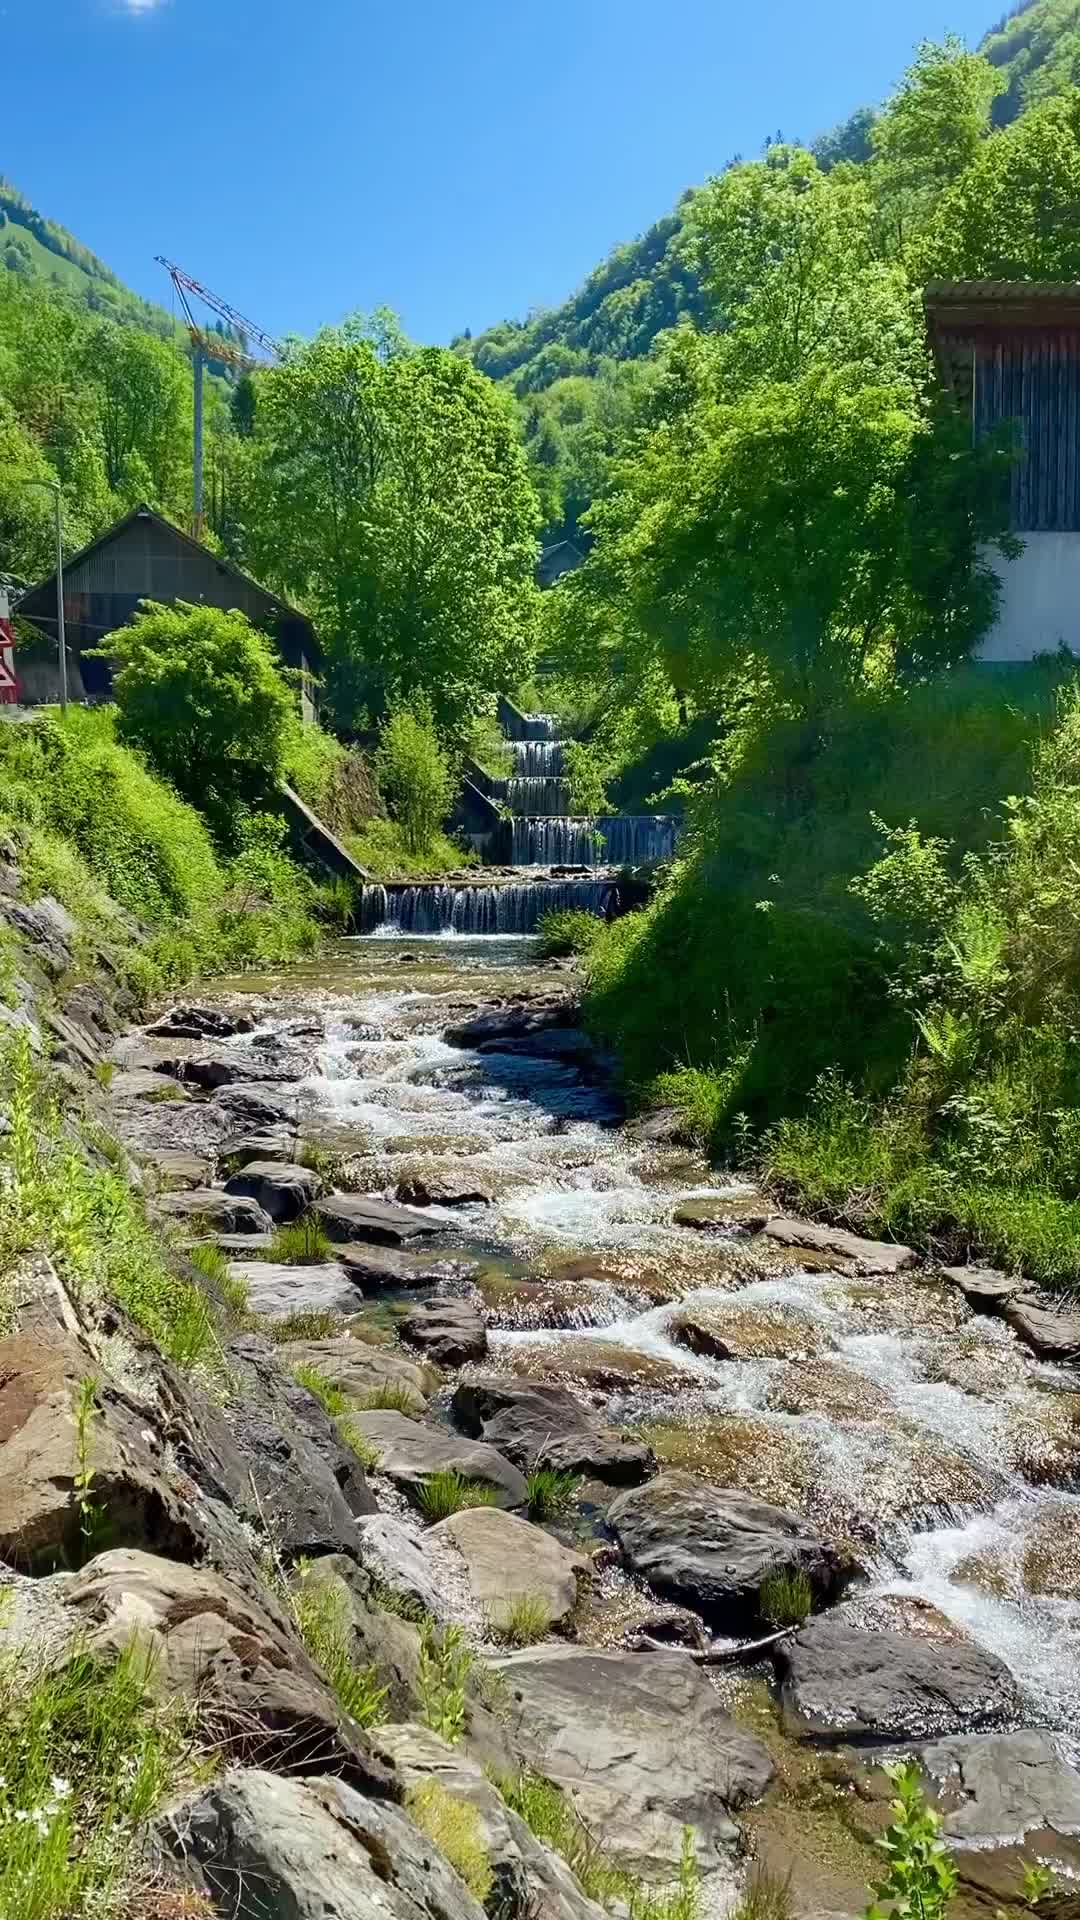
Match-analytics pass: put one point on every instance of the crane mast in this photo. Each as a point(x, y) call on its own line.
point(206, 347)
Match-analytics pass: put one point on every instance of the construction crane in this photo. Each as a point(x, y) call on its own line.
point(213, 346)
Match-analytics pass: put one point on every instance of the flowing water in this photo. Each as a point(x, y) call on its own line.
point(921, 1436)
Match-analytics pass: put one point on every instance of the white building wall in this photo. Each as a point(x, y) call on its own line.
point(1039, 610)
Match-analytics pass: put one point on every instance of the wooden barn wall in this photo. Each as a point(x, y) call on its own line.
point(145, 561)
point(1034, 381)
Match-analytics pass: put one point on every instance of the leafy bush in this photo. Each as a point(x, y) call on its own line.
point(442, 1494)
point(201, 693)
point(568, 930)
point(551, 1492)
point(455, 1828)
point(381, 846)
point(446, 1662)
point(415, 772)
point(921, 1876)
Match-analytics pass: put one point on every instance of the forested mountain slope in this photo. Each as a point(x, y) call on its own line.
point(39, 249)
point(649, 283)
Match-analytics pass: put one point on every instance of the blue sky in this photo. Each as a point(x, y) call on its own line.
point(461, 164)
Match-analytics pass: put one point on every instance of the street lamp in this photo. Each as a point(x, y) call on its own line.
point(53, 487)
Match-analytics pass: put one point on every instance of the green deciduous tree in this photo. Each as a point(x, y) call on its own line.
point(144, 408)
point(788, 257)
point(929, 132)
point(1014, 214)
point(201, 693)
point(391, 492)
point(415, 772)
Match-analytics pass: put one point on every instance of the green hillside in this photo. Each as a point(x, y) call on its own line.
point(39, 249)
point(648, 284)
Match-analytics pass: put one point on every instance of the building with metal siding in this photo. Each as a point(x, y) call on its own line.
point(1010, 353)
point(144, 557)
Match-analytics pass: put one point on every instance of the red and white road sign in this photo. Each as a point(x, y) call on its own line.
point(9, 692)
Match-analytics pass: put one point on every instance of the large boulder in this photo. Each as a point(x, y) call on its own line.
point(839, 1683)
point(217, 1212)
point(264, 1848)
point(45, 1444)
point(283, 1189)
point(277, 1290)
point(405, 1559)
point(434, 1183)
point(358, 1368)
point(547, 1426)
point(201, 1023)
point(510, 1022)
point(350, 1216)
point(311, 1489)
point(235, 1658)
point(178, 1170)
point(984, 1288)
point(509, 1560)
point(252, 1107)
point(868, 1256)
point(408, 1454)
point(641, 1744)
point(213, 1070)
point(712, 1548)
point(529, 1879)
point(450, 1332)
point(1052, 1334)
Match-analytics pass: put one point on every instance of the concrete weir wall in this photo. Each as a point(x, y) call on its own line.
point(1039, 611)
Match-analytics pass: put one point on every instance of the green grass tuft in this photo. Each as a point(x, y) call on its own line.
point(301, 1243)
point(551, 1493)
point(455, 1828)
point(332, 1398)
point(786, 1597)
point(322, 1615)
point(568, 931)
point(393, 1396)
point(557, 1824)
point(521, 1622)
point(307, 1324)
point(442, 1494)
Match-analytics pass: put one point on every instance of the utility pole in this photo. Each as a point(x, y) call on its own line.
point(53, 487)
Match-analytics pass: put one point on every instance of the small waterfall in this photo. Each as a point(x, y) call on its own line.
point(539, 793)
point(436, 907)
point(539, 759)
point(616, 840)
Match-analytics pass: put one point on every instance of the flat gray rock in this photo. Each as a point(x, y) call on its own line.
point(267, 1848)
point(400, 1557)
point(641, 1743)
point(278, 1290)
point(442, 1185)
point(410, 1453)
point(255, 1106)
point(548, 1426)
point(993, 1789)
point(347, 1216)
point(267, 1143)
point(358, 1368)
point(870, 1256)
point(214, 1070)
point(1050, 1334)
point(508, 1559)
point(179, 1171)
point(711, 1548)
point(984, 1288)
point(142, 1083)
point(215, 1210)
point(190, 1022)
point(838, 1684)
point(448, 1332)
point(282, 1188)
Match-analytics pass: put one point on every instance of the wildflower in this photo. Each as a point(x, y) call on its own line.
point(60, 1787)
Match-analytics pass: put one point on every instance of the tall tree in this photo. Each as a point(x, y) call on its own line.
point(1014, 214)
point(929, 132)
point(391, 493)
point(144, 399)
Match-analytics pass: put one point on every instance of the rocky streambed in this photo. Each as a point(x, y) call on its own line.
point(757, 1415)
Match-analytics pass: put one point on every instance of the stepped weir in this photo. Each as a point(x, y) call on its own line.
point(542, 835)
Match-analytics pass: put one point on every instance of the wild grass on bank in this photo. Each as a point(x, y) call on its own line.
point(551, 1493)
point(301, 1243)
point(322, 1615)
point(55, 1200)
point(557, 1823)
point(85, 1758)
point(566, 931)
point(455, 1828)
point(382, 848)
point(786, 1598)
point(523, 1621)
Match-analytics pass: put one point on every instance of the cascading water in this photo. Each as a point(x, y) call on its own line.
point(541, 793)
point(616, 840)
point(437, 907)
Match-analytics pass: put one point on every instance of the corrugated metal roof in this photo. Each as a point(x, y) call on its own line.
point(991, 290)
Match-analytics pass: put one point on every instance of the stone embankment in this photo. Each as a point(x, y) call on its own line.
point(494, 1363)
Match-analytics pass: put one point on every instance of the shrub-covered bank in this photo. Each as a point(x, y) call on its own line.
point(136, 867)
point(864, 976)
